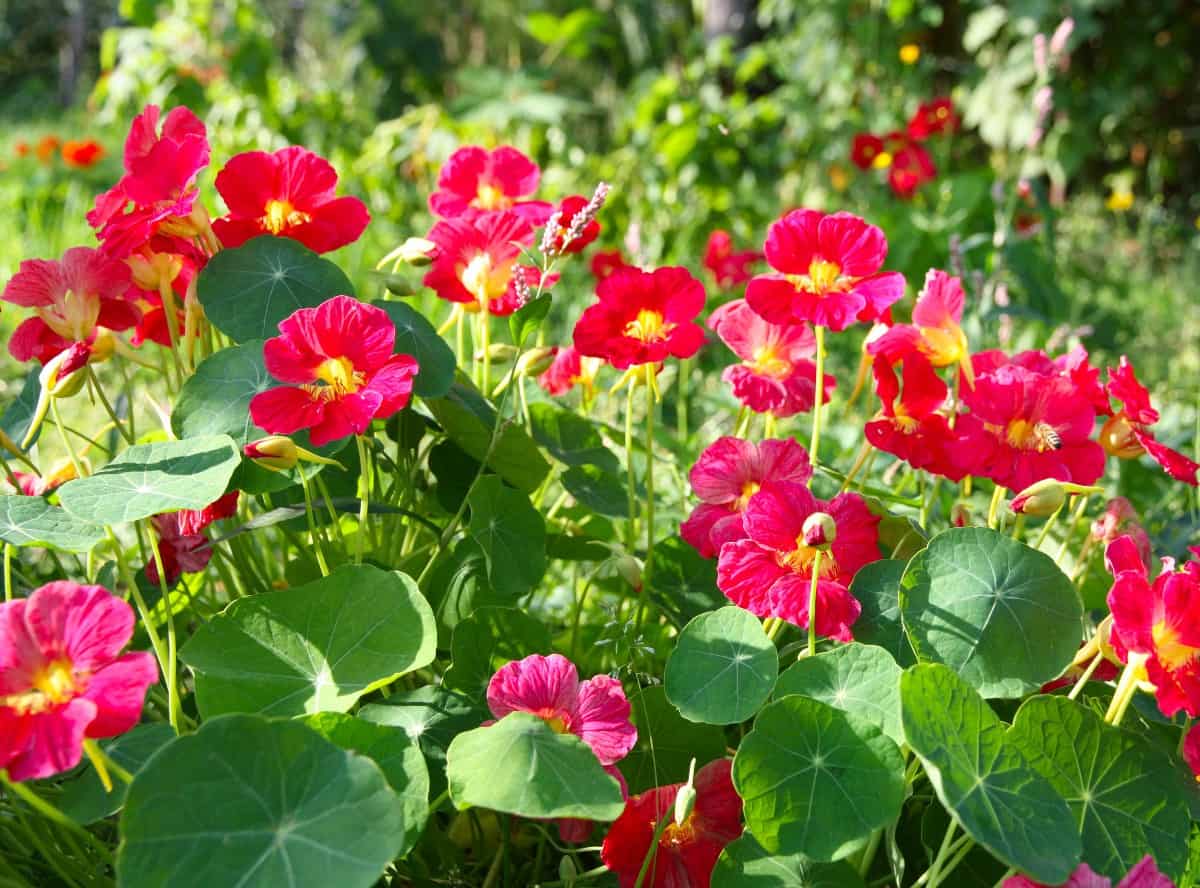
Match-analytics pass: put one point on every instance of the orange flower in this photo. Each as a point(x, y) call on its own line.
point(82, 154)
point(46, 147)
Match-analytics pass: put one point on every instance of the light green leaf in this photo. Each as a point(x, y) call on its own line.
point(746, 864)
point(486, 640)
point(511, 534)
point(417, 337)
point(31, 521)
point(856, 678)
point(524, 322)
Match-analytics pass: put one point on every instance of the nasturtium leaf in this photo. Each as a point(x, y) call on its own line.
point(247, 801)
point(857, 678)
point(667, 742)
point(722, 668)
point(680, 582)
point(486, 640)
point(570, 438)
point(877, 588)
point(511, 533)
point(520, 765)
point(746, 864)
point(468, 420)
point(983, 779)
point(246, 291)
point(18, 416)
point(458, 585)
point(595, 488)
point(1000, 614)
point(524, 322)
point(815, 780)
point(84, 798)
point(1125, 794)
point(147, 479)
point(417, 337)
point(215, 400)
point(398, 756)
point(315, 648)
point(432, 716)
point(31, 521)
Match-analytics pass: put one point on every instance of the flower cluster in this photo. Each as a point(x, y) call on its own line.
point(902, 152)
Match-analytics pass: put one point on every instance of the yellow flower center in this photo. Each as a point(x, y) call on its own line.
point(340, 379)
point(767, 362)
point(824, 275)
point(281, 215)
point(903, 421)
point(73, 316)
point(648, 326)
point(1025, 435)
point(53, 684)
point(677, 834)
point(485, 280)
point(944, 345)
point(489, 197)
point(1171, 652)
point(748, 490)
point(801, 558)
point(882, 160)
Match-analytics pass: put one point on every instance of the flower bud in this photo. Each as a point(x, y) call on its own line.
point(536, 361)
point(498, 353)
point(417, 251)
point(103, 345)
point(630, 570)
point(960, 515)
point(1118, 439)
point(1040, 499)
point(685, 799)
point(819, 530)
point(567, 873)
point(277, 452)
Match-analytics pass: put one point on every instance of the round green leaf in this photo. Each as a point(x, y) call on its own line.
point(215, 400)
point(521, 766)
point(1000, 614)
point(982, 779)
point(877, 588)
point(486, 640)
point(1125, 794)
point(84, 798)
point(31, 521)
point(247, 801)
point(18, 417)
point(746, 864)
point(511, 534)
point(857, 678)
point(666, 743)
point(248, 290)
point(722, 669)
point(816, 780)
point(417, 337)
point(148, 479)
point(315, 648)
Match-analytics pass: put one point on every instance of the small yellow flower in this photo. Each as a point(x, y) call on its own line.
point(838, 178)
point(909, 53)
point(1119, 201)
point(882, 160)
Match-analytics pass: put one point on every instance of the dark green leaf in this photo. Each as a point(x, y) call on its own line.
point(746, 864)
point(666, 742)
point(680, 582)
point(417, 337)
point(486, 640)
point(597, 489)
point(18, 416)
point(570, 438)
point(524, 322)
point(511, 534)
point(877, 588)
point(84, 798)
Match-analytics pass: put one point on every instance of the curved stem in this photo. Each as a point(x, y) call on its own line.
point(8, 584)
point(94, 382)
point(813, 452)
point(812, 601)
point(47, 810)
point(1041, 537)
point(1087, 675)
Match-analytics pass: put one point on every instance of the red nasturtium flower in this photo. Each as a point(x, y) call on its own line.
point(1127, 434)
point(1144, 875)
point(182, 545)
point(1159, 622)
point(729, 267)
point(910, 424)
point(63, 678)
point(933, 118)
point(289, 193)
point(82, 153)
point(770, 572)
point(776, 374)
point(827, 272)
point(475, 181)
point(687, 852)
point(1191, 749)
point(29, 484)
point(568, 370)
point(911, 168)
point(71, 299)
point(338, 357)
point(865, 150)
point(726, 475)
point(567, 210)
point(935, 332)
point(478, 261)
point(642, 317)
point(605, 262)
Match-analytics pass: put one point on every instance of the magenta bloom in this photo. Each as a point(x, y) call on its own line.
point(776, 374)
point(1144, 875)
point(182, 544)
point(339, 358)
point(1127, 434)
point(827, 272)
point(63, 678)
point(770, 572)
point(727, 474)
point(477, 264)
point(595, 710)
point(475, 181)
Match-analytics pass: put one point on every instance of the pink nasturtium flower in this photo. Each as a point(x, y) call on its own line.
point(289, 193)
point(729, 267)
point(568, 370)
point(1191, 749)
point(475, 181)
point(339, 360)
point(1144, 875)
point(935, 331)
point(1127, 434)
point(63, 678)
point(826, 272)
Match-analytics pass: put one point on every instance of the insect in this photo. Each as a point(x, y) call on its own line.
point(1047, 437)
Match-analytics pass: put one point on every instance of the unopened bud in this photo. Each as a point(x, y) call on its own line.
point(536, 361)
point(685, 799)
point(567, 873)
point(417, 251)
point(103, 346)
point(1041, 499)
point(819, 530)
point(960, 515)
point(1118, 439)
point(630, 570)
point(498, 353)
point(277, 452)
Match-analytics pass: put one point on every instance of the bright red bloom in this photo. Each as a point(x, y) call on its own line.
point(567, 210)
point(1127, 434)
point(770, 572)
point(643, 317)
point(71, 299)
point(605, 262)
point(63, 678)
point(82, 154)
point(475, 181)
point(687, 852)
point(1159, 622)
point(569, 370)
point(933, 118)
point(828, 272)
point(729, 268)
point(776, 374)
point(726, 475)
point(935, 332)
point(1121, 519)
point(182, 545)
point(864, 150)
point(1144, 875)
point(339, 357)
point(596, 710)
point(477, 262)
point(910, 424)
point(289, 193)
point(911, 168)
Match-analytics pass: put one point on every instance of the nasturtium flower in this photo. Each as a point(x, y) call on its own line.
point(865, 150)
point(595, 710)
point(82, 153)
point(568, 370)
point(770, 572)
point(1191, 749)
point(729, 267)
point(686, 852)
point(605, 262)
point(1120, 518)
point(933, 118)
point(289, 193)
point(475, 181)
point(726, 475)
point(1144, 875)
point(911, 167)
point(29, 484)
point(478, 262)
point(338, 357)
point(911, 424)
point(63, 678)
point(643, 317)
point(567, 210)
point(935, 331)
point(182, 544)
point(71, 299)
point(826, 272)
point(1127, 433)
point(776, 374)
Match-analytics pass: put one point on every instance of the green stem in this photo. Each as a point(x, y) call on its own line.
point(1087, 675)
point(664, 821)
point(631, 530)
point(1041, 537)
point(813, 452)
point(650, 399)
point(62, 435)
point(1076, 515)
point(994, 506)
point(47, 810)
point(485, 336)
point(8, 584)
point(94, 382)
point(943, 854)
point(868, 857)
point(364, 499)
point(172, 659)
point(1126, 690)
point(812, 600)
point(312, 526)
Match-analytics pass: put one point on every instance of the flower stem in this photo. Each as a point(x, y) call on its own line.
point(631, 530)
point(364, 498)
point(812, 600)
point(47, 810)
point(864, 452)
point(664, 821)
point(62, 435)
point(312, 525)
point(1076, 515)
point(104, 763)
point(1087, 675)
point(172, 659)
point(1046, 527)
point(649, 460)
point(485, 337)
point(8, 584)
point(1126, 689)
point(94, 382)
point(813, 453)
point(994, 507)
